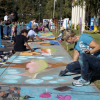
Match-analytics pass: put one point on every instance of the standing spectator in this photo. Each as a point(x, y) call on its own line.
point(6, 23)
point(48, 25)
point(45, 23)
point(30, 24)
point(1, 28)
point(6, 16)
point(13, 29)
point(11, 17)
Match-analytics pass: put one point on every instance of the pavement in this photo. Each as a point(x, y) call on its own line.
point(35, 76)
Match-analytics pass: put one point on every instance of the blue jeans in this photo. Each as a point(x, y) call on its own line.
point(7, 30)
point(87, 63)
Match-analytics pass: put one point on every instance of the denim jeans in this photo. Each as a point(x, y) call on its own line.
point(7, 30)
point(74, 67)
point(87, 63)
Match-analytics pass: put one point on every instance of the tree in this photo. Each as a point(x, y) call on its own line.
point(66, 9)
point(6, 6)
point(25, 10)
point(45, 10)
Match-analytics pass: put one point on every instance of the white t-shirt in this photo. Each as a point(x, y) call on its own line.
point(5, 18)
point(31, 33)
point(36, 24)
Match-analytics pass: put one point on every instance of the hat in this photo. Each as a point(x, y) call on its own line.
point(62, 28)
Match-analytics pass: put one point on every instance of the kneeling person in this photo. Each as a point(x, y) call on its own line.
point(20, 42)
point(32, 34)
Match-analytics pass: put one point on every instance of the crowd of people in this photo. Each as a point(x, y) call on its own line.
point(86, 58)
point(9, 26)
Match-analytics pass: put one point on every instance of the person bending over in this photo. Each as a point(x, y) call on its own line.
point(33, 33)
point(20, 42)
point(88, 53)
point(30, 24)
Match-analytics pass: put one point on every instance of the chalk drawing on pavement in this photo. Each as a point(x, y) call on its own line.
point(66, 97)
point(63, 88)
point(37, 93)
point(34, 81)
point(31, 67)
point(45, 95)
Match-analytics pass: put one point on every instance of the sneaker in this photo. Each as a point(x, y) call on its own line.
point(81, 82)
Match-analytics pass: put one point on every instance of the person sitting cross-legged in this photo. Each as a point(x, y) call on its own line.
point(20, 42)
point(87, 50)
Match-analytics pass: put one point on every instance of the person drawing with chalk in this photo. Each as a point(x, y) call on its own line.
point(87, 50)
point(20, 42)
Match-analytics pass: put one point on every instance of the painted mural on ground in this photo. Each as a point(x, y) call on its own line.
point(41, 51)
point(34, 70)
point(49, 93)
point(48, 41)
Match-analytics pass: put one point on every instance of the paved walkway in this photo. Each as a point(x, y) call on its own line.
point(35, 75)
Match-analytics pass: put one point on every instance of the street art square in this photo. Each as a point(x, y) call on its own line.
point(33, 70)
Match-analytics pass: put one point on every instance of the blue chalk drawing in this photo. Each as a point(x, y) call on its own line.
point(50, 35)
point(77, 93)
point(34, 81)
point(61, 80)
point(31, 57)
point(17, 61)
point(49, 57)
point(2, 70)
point(53, 82)
point(22, 58)
point(12, 71)
point(10, 81)
point(12, 77)
point(41, 57)
point(58, 59)
point(11, 59)
point(47, 78)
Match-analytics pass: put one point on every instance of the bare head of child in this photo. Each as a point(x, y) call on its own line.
point(24, 32)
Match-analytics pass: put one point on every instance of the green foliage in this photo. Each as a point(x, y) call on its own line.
point(24, 7)
point(66, 9)
point(92, 5)
point(46, 9)
point(6, 6)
